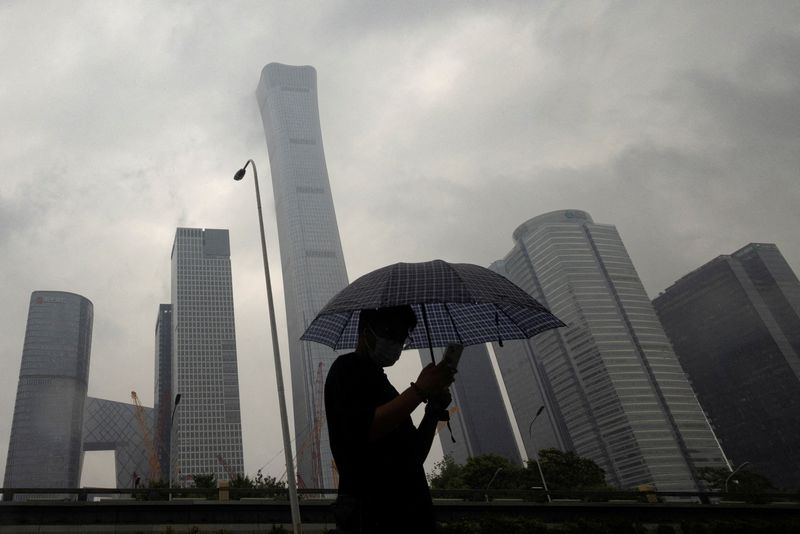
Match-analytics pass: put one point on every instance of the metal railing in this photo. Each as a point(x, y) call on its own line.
point(466, 495)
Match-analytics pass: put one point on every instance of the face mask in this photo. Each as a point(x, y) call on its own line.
point(386, 352)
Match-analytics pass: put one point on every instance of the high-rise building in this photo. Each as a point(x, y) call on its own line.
point(45, 445)
point(207, 430)
point(162, 389)
point(478, 415)
point(611, 385)
point(735, 326)
point(311, 252)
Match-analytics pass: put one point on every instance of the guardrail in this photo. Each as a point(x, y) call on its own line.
point(465, 495)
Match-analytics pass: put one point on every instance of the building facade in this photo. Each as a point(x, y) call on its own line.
point(162, 388)
point(311, 252)
point(735, 325)
point(114, 426)
point(478, 415)
point(612, 387)
point(207, 432)
point(45, 445)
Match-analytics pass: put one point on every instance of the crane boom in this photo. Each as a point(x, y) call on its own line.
point(152, 457)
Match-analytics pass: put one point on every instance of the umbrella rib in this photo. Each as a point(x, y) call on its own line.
point(455, 328)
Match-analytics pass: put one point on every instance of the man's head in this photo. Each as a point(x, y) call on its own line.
point(383, 332)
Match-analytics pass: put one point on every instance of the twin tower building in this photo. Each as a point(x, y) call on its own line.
point(609, 386)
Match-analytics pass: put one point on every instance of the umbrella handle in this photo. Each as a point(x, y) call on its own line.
point(427, 331)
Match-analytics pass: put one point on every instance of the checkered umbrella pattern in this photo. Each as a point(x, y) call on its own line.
point(462, 302)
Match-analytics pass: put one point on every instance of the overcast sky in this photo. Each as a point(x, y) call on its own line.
point(445, 126)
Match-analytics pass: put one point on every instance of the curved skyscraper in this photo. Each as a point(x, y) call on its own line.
point(612, 385)
point(311, 251)
point(46, 433)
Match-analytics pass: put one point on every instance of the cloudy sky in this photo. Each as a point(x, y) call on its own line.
point(445, 124)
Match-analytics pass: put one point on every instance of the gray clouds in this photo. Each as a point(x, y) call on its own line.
point(446, 125)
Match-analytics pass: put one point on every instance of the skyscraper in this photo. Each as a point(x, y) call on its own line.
point(45, 445)
point(208, 428)
point(311, 251)
point(735, 326)
point(162, 388)
point(478, 417)
point(612, 386)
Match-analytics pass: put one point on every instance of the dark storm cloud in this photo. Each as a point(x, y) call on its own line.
point(445, 124)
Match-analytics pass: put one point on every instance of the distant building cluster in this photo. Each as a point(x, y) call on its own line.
point(55, 422)
point(706, 375)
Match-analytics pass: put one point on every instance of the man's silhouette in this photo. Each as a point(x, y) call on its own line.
point(378, 451)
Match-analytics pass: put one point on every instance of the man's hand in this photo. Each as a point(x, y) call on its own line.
point(434, 379)
point(437, 405)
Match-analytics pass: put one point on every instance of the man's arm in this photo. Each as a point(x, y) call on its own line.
point(388, 416)
point(427, 427)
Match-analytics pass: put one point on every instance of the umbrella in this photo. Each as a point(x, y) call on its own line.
point(456, 302)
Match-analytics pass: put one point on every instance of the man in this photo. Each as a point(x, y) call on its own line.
point(378, 451)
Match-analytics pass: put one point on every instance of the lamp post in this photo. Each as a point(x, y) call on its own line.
point(536, 457)
point(486, 495)
point(287, 445)
point(171, 426)
point(743, 464)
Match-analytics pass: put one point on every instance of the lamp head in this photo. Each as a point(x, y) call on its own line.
point(540, 410)
point(177, 399)
point(239, 174)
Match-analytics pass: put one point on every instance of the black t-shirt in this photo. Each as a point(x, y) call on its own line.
point(386, 476)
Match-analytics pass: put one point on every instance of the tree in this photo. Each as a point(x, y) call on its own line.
point(257, 485)
point(567, 470)
point(744, 481)
point(447, 474)
point(205, 481)
point(480, 470)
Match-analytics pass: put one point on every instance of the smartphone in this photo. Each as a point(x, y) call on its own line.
point(452, 354)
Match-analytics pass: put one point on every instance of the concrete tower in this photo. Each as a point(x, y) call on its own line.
point(612, 386)
point(45, 445)
point(311, 252)
point(204, 369)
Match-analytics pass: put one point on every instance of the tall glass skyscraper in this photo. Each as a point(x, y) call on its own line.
point(208, 427)
point(162, 388)
point(45, 446)
point(735, 325)
point(311, 251)
point(612, 386)
point(478, 417)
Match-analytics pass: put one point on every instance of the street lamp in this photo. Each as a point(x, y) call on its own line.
point(536, 453)
point(743, 464)
point(490, 483)
point(287, 445)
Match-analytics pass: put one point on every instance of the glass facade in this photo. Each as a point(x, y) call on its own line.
point(478, 416)
point(735, 325)
point(207, 432)
point(45, 445)
point(611, 384)
point(311, 252)
point(162, 388)
point(113, 426)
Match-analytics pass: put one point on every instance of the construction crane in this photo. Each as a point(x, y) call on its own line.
point(226, 467)
point(152, 457)
point(313, 439)
point(319, 419)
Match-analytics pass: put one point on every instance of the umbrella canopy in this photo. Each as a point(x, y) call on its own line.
point(456, 302)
